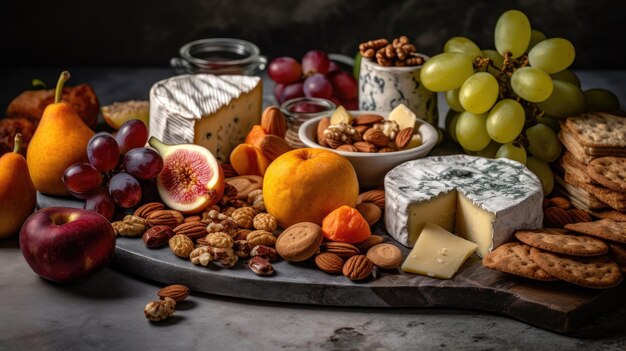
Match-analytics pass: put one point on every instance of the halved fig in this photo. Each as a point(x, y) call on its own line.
point(191, 179)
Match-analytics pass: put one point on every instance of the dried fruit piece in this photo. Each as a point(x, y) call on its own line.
point(247, 159)
point(272, 146)
point(160, 309)
point(329, 262)
point(358, 267)
point(255, 133)
point(345, 224)
point(191, 179)
point(157, 236)
point(177, 292)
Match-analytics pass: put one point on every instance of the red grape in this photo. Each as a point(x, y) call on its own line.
point(315, 61)
point(131, 134)
point(352, 104)
point(284, 70)
point(143, 163)
point(81, 178)
point(103, 151)
point(318, 86)
point(125, 190)
point(307, 107)
point(100, 201)
point(278, 91)
point(333, 66)
point(292, 91)
point(344, 85)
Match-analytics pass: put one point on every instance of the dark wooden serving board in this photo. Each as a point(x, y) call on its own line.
point(555, 306)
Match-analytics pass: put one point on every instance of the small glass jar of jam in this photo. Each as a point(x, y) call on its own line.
point(299, 110)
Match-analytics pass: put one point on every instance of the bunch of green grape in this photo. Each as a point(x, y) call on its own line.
point(507, 102)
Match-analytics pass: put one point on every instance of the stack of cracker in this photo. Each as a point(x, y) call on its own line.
point(593, 168)
point(589, 254)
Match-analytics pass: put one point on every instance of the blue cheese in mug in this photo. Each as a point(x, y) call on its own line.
point(213, 111)
point(482, 200)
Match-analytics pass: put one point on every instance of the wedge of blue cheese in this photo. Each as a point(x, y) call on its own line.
point(213, 111)
point(482, 200)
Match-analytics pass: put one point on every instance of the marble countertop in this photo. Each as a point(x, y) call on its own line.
point(106, 310)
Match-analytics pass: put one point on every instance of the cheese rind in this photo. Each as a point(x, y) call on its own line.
point(505, 189)
point(213, 111)
point(438, 253)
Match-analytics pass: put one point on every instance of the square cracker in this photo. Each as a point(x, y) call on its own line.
point(609, 171)
point(610, 214)
point(598, 130)
point(579, 197)
point(574, 147)
point(574, 168)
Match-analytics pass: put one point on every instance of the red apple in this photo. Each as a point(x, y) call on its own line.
point(66, 244)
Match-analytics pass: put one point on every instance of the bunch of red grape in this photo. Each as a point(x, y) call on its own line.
point(119, 171)
point(317, 76)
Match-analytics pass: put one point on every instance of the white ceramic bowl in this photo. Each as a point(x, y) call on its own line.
point(371, 168)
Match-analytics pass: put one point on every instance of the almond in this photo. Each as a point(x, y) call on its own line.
point(368, 118)
point(194, 230)
point(329, 262)
point(555, 217)
point(364, 146)
point(403, 137)
point(377, 197)
point(332, 143)
point(177, 292)
point(144, 210)
point(272, 146)
point(170, 218)
point(321, 127)
point(361, 129)
point(343, 250)
point(371, 241)
point(370, 212)
point(558, 201)
point(387, 149)
point(358, 267)
point(376, 137)
point(578, 216)
point(347, 147)
point(274, 121)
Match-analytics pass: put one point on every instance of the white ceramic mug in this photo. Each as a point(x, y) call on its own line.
point(381, 88)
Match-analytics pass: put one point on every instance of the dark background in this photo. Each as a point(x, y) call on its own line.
point(143, 32)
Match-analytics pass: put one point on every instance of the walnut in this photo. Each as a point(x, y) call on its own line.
point(230, 190)
point(261, 237)
point(243, 217)
point(225, 256)
point(255, 198)
point(342, 133)
point(227, 226)
point(201, 256)
point(229, 211)
point(265, 221)
point(242, 248)
point(159, 310)
point(219, 239)
point(130, 226)
point(389, 128)
point(213, 216)
point(181, 245)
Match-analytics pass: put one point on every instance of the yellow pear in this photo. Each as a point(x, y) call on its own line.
point(17, 192)
point(59, 142)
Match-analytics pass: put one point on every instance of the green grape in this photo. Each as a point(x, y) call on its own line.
point(543, 142)
point(452, 98)
point(512, 33)
point(479, 92)
point(471, 131)
point(512, 152)
point(356, 68)
point(451, 119)
point(446, 71)
point(552, 55)
point(535, 38)
point(551, 122)
point(489, 151)
point(601, 100)
point(565, 101)
point(531, 84)
point(462, 45)
point(495, 57)
point(505, 121)
point(542, 170)
point(566, 76)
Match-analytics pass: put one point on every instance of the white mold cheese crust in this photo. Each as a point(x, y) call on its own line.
point(482, 200)
point(213, 111)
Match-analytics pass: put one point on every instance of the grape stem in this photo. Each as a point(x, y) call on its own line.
point(64, 77)
point(17, 143)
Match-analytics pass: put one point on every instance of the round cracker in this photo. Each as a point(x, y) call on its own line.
point(609, 171)
point(604, 228)
point(560, 241)
point(591, 272)
point(618, 253)
point(514, 258)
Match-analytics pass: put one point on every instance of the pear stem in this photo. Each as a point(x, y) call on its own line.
point(17, 145)
point(64, 77)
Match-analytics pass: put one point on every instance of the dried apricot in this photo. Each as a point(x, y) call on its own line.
point(247, 159)
point(347, 225)
point(257, 132)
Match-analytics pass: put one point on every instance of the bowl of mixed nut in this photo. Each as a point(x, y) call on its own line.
point(374, 142)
